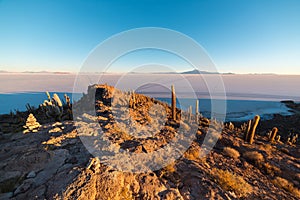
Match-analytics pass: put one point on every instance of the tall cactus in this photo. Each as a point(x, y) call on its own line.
point(253, 128)
point(273, 134)
point(68, 100)
point(247, 131)
point(133, 100)
point(189, 114)
point(173, 103)
point(197, 110)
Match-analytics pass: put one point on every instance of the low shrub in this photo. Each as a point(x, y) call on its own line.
point(271, 169)
point(286, 185)
point(231, 152)
point(254, 156)
point(232, 182)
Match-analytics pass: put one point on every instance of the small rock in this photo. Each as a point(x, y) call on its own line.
point(100, 118)
point(72, 160)
point(4, 196)
point(55, 130)
point(9, 175)
point(170, 194)
point(23, 187)
point(31, 174)
point(5, 124)
point(56, 124)
point(89, 118)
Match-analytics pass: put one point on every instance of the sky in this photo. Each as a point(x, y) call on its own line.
point(240, 36)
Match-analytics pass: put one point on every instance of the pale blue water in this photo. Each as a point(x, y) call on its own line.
point(17, 101)
point(237, 110)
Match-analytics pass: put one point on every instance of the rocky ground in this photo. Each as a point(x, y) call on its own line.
point(54, 162)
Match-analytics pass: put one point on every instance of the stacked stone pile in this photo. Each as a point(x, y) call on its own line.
point(31, 124)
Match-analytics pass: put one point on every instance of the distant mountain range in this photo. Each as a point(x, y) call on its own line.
point(36, 72)
point(196, 71)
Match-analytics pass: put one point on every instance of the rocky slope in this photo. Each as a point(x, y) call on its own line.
point(54, 162)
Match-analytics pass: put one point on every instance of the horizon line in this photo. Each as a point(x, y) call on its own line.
point(156, 73)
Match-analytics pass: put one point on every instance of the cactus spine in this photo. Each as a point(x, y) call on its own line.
point(253, 128)
point(173, 103)
point(273, 134)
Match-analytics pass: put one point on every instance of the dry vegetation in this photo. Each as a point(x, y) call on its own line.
point(271, 169)
point(192, 154)
point(231, 152)
point(267, 148)
point(254, 156)
point(170, 167)
point(285, 184)
point(231, 182)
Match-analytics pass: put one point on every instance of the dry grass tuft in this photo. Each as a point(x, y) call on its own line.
point(192, 154)
point(285, 184)
point(170, 167)
point(285, 150)
point(231, 152)
point(271, 169)
point(267, 148)
point(297, 176)
point(232, 182)
point(254, 156)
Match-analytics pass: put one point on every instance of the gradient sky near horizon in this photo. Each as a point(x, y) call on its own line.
point(241, 36)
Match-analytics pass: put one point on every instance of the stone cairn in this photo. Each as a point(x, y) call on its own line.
point(31, 125)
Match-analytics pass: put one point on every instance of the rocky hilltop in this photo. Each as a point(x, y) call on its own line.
point(57, 162)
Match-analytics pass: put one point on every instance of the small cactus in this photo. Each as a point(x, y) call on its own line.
point(294, 139)
point(244, 127)
point(29, 108)
point(173, 103)
point(253, 129)
point(273, 134)
point(231, 126)
point(278, 138)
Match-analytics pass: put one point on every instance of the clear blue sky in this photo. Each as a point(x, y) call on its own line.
point(241, 36)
